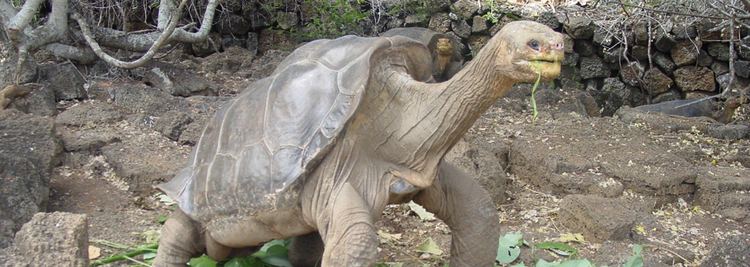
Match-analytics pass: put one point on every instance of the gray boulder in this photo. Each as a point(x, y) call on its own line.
point(53, 239)
point(28, 152)
point(597, 218)
point(64, 79)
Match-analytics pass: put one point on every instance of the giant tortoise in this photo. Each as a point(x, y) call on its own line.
point(446, 52)
point(339, 130)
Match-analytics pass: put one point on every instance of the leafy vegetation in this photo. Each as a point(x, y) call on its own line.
point(332, 18)
point(509, 250)
point(493, 15)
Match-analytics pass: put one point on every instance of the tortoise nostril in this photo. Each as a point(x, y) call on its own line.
point(557, 46)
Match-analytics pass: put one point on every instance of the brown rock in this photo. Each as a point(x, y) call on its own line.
point(54, 239)
point(692, 78)
point(685, 52)
point(656, 82)
point(597, 218)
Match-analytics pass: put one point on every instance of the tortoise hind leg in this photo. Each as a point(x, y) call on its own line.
point(180, 241)
point(306, 250)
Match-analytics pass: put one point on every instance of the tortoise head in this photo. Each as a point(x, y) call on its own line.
point(527, 49)
point(444, 47)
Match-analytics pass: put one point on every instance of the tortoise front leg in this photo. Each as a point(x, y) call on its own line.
point(181, 239)
point(470, 213)
point(350, 237)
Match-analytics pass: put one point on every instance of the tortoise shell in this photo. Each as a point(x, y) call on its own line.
point(254, 154)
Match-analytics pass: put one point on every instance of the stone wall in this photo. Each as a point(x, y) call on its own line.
point(672, 61)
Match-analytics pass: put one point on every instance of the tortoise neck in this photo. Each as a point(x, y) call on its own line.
point(454, 105)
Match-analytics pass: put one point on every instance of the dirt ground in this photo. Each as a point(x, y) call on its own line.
point(675, 234)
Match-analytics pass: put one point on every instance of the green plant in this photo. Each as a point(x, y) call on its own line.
point(420, 8)
point(493, 14)
point(333, 18)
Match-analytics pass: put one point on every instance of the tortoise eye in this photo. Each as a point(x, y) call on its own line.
point(534, 44)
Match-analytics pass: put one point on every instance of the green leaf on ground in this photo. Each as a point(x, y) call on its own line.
point(509, 247)
point(202, 261)
point(429, 246)
point(567, 263)
point(568, 237)
point(558, 247)
point(637, 259)
point(421, 211)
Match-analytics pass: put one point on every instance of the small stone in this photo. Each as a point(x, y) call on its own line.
point(719, 51)
point(54, 239)
point(684, 31)
point(232, 24)
point(597, 218)
point(549, 19)
point(631, 73)
point(398, 22)
point(720, 68)
point(685, 52)
point(639, 52)
point(172, 123)
point(580, 27)
point(664, 42)
point(570, 59)
point(742, 68)
point(664, 63)
point(704, 59)
point(729, 131)
point(569, 44)
point(478, 24)
point(476, 42)
point(252, 43)
point(724, 79)
point(602, 37)
point(229, 41)
point(641, 32)
point(440, 22)
point(584, 47)
point(40, 101)
point(465, 9)
point(593, 67)
point(656, 82)
point(64, 79)
point(461, 28)
point(691, 78)
point(286, 20)
point(415, 20)
point(613, 55)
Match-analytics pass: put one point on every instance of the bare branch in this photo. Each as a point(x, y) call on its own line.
point(165, 36)
point(55, 27)
point(81, 55)
point(7, 11)
point(192, 37)
point(24, 16)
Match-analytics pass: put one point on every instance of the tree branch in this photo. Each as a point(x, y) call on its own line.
point(165, 36)
point(80, 55)
point(193, 37)
point(24, 16)
point(55, 27)
point(7, 12)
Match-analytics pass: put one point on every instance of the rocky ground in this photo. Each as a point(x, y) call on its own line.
point(679, 186)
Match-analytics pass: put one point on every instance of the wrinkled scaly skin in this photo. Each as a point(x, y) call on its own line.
point(390, 152)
